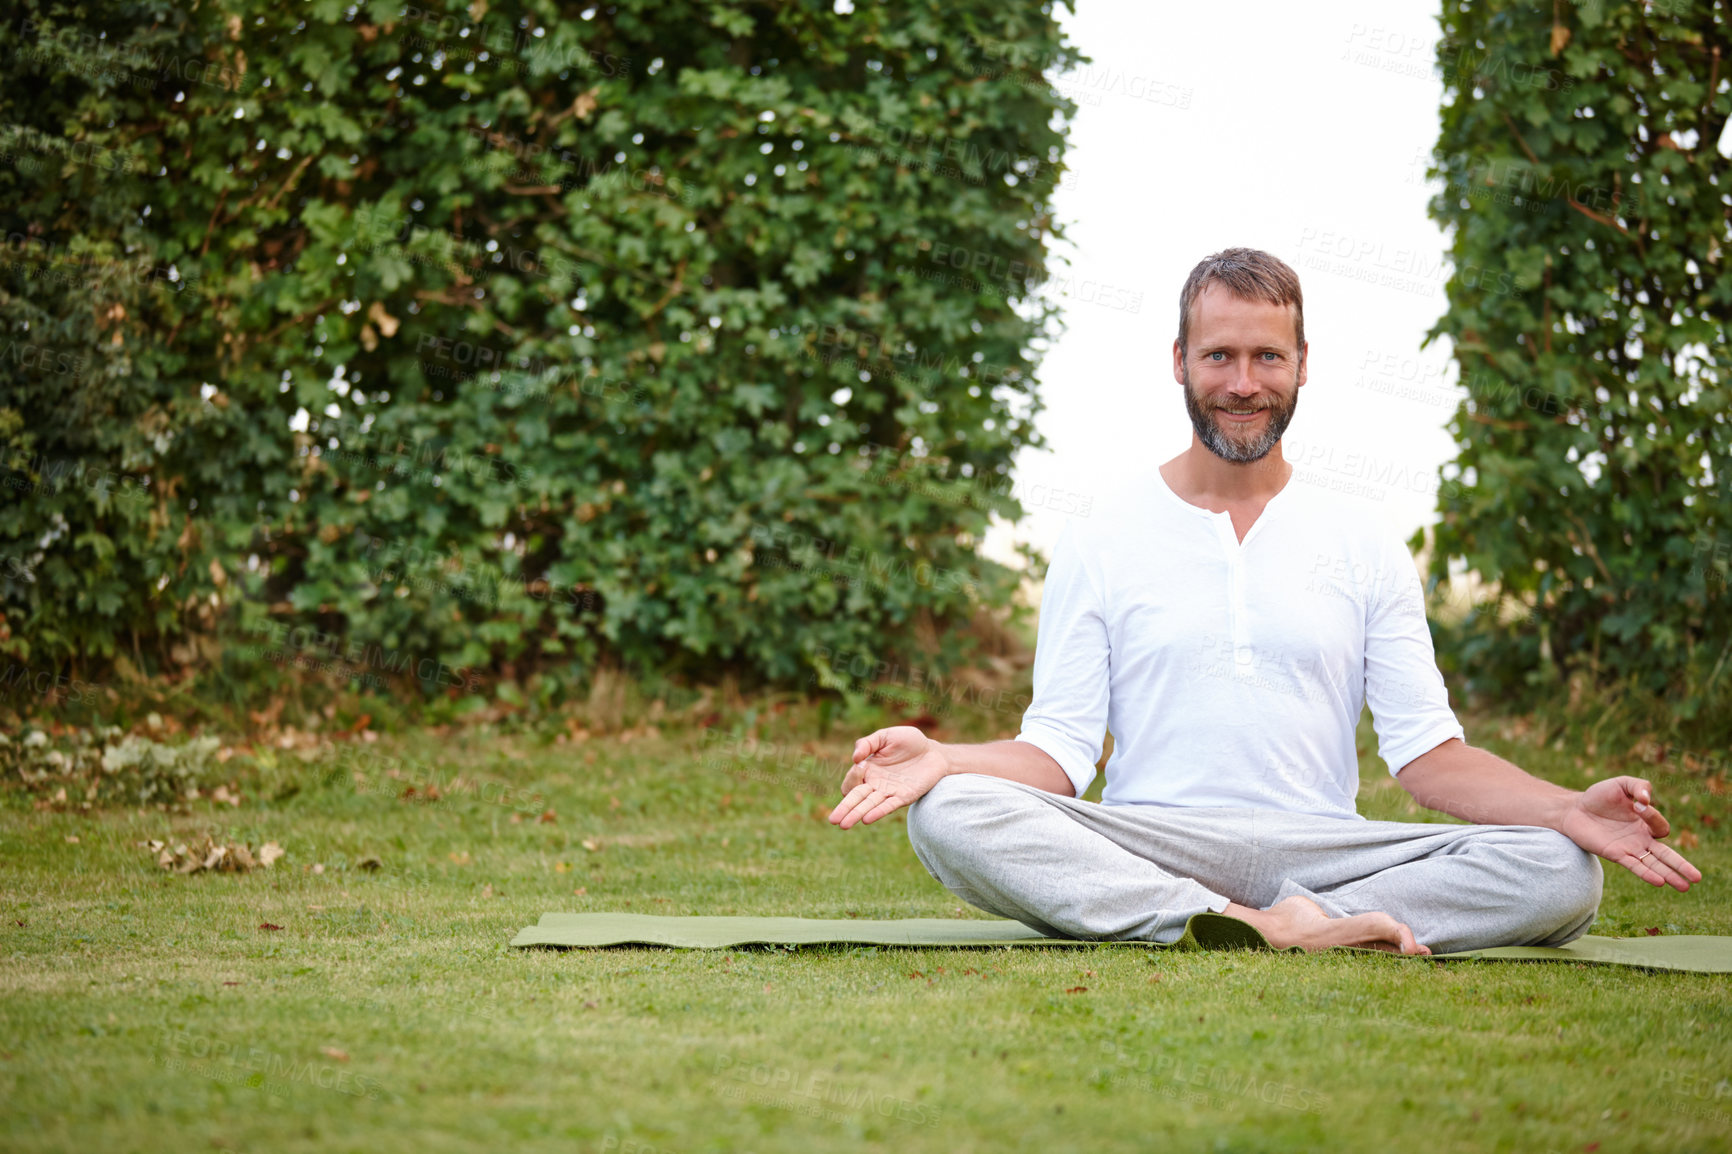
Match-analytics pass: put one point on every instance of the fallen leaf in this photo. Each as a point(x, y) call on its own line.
point(591, 845)
point(1653, 931)
point(334, 1054)
point(487, 890)
point(73, 838)
point(269, 852)
point(585, 103)
point(370, 864)
point(231, 983)
point(461, 859)
point(548, 817)
point(560, 867)
point(589, 1005)
point(579, 891)
point(1687, 839)
point(268, 926)
point(1077, 990)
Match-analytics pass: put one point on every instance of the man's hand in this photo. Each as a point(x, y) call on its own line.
point(1616, 819)
point(892, 768)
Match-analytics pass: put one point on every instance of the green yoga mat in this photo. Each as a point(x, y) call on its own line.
point(1702, 955)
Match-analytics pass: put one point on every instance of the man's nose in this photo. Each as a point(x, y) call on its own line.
point(1242, 385)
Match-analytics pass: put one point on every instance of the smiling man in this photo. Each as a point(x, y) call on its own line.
point(1228, 627)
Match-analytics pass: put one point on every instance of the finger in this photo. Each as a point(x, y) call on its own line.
point(1646, 866)
point(1673, 868)
point(863, 808)
point(859, 804)
point(868, 745)
point(1641, 795)
point(889, 805)
point(1679, 863)
point(850, 801)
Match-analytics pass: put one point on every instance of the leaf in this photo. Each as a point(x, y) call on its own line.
point(269, 853)
point(269, 926)
point(334, 1054)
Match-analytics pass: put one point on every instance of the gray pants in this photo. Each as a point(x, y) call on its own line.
point(1078, 869)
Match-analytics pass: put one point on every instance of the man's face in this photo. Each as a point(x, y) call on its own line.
point(1241, 375)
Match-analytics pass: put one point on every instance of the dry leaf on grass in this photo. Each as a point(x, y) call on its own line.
point(211, 855)
point(334, 1054)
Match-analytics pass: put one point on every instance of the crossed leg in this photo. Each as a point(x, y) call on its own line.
point(1076, 869)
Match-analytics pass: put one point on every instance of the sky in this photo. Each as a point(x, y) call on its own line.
point(1301, 129)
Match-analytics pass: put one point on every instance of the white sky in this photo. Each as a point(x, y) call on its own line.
point(1308, 132)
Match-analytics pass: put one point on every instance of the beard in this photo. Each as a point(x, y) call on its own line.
point(1230, 443)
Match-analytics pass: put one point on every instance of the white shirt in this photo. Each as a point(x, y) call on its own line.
point(1232, 673)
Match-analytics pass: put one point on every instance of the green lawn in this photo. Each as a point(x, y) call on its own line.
point(146, 1011)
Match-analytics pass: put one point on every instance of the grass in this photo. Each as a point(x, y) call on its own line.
point(144, 1011)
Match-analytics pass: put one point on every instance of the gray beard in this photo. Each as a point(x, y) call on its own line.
point(1235, 449)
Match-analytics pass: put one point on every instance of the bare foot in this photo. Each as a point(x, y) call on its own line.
point(1299, 921)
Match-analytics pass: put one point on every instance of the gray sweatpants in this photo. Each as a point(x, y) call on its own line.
point(1078, 869)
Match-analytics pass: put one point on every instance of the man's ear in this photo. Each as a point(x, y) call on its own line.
point(1304, 362)
point(1178, 364)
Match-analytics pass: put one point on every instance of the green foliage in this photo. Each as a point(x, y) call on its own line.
point(554, 295)
point(1586, 194)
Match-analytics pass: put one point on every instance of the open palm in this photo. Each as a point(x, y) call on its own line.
point(892, 768)
point(1616, 819)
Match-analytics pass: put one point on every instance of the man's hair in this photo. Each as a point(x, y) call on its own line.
point(1248, 273)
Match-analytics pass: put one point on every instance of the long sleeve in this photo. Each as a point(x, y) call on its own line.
point(1409, 704)
point(1072, 665)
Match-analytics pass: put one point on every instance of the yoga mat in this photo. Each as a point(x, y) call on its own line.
point(1206, 931)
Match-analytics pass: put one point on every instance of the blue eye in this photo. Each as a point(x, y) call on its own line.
point(1216, 356)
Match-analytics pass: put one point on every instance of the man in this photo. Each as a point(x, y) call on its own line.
point(1228, 626)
